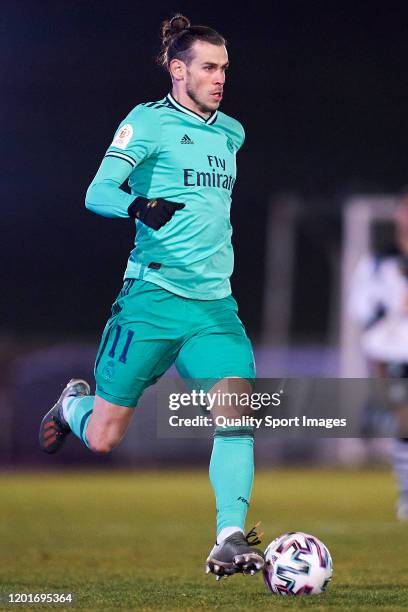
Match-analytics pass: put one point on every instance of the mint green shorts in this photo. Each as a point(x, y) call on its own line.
point(151, 329)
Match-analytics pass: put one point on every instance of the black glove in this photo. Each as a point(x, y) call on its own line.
point(154, 213)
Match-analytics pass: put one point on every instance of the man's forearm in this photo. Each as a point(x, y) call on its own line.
point(106, 198)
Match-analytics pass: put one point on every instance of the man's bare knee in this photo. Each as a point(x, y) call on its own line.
point(107, 425)
point(230, 390)
point(101, 444)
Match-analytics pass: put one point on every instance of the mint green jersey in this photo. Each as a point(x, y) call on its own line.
point(167, 151)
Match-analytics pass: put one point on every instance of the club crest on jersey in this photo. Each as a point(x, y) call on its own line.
point(108, 371)
point(230, 145)
point(123, 137)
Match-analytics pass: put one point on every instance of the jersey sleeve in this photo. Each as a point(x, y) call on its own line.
point(236, 132)
point(136, 139)
point(240, 136)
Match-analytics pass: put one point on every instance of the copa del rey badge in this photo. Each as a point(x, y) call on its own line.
point(123, 137)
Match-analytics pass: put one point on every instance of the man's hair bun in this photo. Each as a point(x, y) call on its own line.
point(174, 26)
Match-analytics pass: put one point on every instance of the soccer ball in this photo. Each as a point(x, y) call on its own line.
point(297, 563)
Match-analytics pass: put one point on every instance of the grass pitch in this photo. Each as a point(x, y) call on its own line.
point(138, 540)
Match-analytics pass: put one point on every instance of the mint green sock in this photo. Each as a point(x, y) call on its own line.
point(77, 414)
point(232, 474)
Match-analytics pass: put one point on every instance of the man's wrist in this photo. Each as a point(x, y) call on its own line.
point(137, 206)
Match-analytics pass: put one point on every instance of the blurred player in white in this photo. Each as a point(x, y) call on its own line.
point(379, 302)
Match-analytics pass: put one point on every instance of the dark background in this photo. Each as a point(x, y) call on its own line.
point(321, 88)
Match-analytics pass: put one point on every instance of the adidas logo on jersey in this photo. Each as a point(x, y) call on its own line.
point(186, 140)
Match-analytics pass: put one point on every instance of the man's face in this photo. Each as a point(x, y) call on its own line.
point(205, 75)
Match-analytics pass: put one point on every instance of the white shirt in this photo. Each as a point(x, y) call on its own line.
point(379, 284)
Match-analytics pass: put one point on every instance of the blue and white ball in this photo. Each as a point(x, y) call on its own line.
point(297, 563)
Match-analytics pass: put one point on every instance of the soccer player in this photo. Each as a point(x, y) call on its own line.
point(379, 302)
point(179, 157)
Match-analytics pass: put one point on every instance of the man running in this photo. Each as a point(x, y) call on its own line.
point(179, 158)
